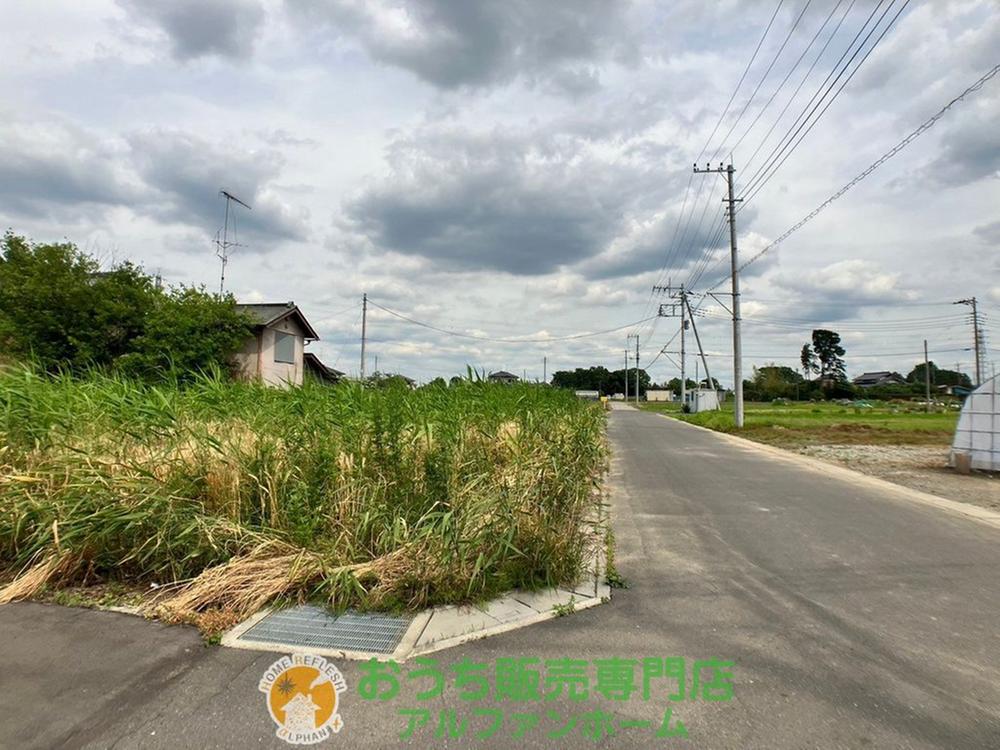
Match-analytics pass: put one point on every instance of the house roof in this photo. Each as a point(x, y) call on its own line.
point(503, 375)
point(313, 363)
point(875, 377)
point(268, 313)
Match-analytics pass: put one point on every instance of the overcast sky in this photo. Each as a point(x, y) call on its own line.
point(518, 169)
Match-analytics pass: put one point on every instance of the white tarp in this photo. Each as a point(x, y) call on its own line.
point(978, 427)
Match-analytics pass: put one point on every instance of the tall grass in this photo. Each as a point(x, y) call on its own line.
point(230, 495)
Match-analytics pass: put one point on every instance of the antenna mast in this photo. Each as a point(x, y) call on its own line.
point(222, 246)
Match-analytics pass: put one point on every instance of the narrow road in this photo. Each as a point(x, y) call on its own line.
point(855, 619)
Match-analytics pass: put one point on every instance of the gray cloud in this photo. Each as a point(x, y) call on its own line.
point(839, 290)
point(54, 169)
point(524, 204)
point(989, 234)
point(188, 172)
point(970, 150)
point(198, 28)
point(454, 43)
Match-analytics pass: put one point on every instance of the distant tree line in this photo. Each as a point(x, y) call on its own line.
point(607, 382)
point(823, 376)
point(59, 309)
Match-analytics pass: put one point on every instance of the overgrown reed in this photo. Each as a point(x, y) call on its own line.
point(231, 495)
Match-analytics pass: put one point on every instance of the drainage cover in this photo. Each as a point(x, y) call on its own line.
point(313, 627)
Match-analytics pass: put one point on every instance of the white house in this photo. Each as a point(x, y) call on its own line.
point(275, 353)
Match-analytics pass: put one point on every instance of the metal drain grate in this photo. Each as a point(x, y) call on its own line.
point(308, 626)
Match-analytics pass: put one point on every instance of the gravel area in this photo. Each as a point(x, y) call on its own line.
point(919, 467)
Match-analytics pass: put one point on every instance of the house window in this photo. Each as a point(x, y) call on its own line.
point(284, 347)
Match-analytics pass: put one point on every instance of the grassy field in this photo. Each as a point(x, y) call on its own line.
point(796, 424)
point(220, 497)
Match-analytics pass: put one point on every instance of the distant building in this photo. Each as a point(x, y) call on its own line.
point(502, 376)
point(316, 369)
point(882, 377)
point(275, 354)
point(656, 395)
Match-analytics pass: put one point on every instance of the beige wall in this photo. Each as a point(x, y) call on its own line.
point(256, 358)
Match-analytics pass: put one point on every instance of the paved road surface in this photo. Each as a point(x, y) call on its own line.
point(855, 620)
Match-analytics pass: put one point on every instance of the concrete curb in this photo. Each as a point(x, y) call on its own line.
point(440, 628)
point(896, 491)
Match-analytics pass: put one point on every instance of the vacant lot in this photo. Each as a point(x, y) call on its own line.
point(220, 497)
point(897, 442)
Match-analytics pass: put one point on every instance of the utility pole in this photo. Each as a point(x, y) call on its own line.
point(545, 369)
point(628, 339)
point(626, 371)
point(678, 293)
point(728, 171)
point(364, 330)
point(637, 369)
point(971, 302)
point(927, 377)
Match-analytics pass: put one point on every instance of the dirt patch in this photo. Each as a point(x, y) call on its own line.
point(918, 467)
point(846, 434)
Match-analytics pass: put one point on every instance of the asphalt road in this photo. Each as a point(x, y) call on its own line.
point(855, 619)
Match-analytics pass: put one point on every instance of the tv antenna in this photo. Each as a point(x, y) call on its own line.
point(222, 246)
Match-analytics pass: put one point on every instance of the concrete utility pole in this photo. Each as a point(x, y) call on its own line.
point(545, 369)
point(678, 293)
point(364, 330)
point(626, 371)
point(728, 171)
point(637, 369)
point(629, 338)
point(927, 377)
point(971, 302)
point(684, 325)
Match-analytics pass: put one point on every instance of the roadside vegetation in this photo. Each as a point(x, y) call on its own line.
point(796, 424)
point(215, 497)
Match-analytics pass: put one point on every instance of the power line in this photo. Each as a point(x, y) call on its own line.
point(926, 125)
point(767, 72)
point(502, 340)
point(789, 148)
point(672, 248)
point(788, 75)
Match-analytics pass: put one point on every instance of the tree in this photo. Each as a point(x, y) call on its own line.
point(939, 376)
point(59, 308)
point(187, 331)
point(809, 364)
point(827, 348)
